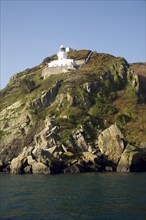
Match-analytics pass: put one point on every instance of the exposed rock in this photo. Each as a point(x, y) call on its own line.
point(48, 137)
point(126, 159)
point(132, 159)
point(107, 168)
point(25, 123)
point(143, 145)
point(54, 150)
point(15, 124)
point(81, 104)
point(75, 168)
point(27, 163)
point(70, 146)
point(88, 156)
point(1, 165)
point(110, 143)
point(27, 170)
point(92, 167)
point(91, 87)
point(93, 162)
point(47, 98)
point(30, 159)
point(9, 110)
point(60, 100)
point(42, 155)
point(45, 159)
point(133, 79)
point(72, 99)
point(80, 140)
point(40, 168)
point(19, 163)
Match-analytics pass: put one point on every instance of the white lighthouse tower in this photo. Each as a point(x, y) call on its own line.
point(62, 53)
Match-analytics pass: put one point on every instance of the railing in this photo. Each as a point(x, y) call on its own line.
point(88, 57)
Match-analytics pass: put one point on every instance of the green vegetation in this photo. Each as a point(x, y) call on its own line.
point(115, 99)
point(78, 55)
point(121, 119)
point(2, 133)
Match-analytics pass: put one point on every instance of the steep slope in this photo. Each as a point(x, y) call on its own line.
point(83, 120)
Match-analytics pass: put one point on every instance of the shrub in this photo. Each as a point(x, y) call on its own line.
point(121, 119)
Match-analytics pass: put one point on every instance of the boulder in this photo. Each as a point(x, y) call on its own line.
point(132, 159)
point(75, 168)
point(40, 168)
point(88, 156)
point(92, 162)
point(30, 160)
point(108, 168)
point(17, 165)
point(93, 168)
point(110, 143)
point(143, 145)
point(42, 155)
point(28, 170)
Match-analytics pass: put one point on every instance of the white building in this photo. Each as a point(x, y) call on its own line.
point(69, 49)
point(62, 59)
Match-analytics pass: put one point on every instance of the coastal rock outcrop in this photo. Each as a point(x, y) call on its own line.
point(132, 159)
point(89, 119)
point(75, 168)
point(18, 164)
point(48, 137)
point(79, 139)
point(111, 144)
point(110, 154)
point(38, 167)
point(47, 98)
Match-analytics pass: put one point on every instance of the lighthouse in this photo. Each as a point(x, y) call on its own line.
point(62, 53)
point(62, 59)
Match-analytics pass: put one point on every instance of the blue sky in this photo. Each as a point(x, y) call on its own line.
point(33, 30)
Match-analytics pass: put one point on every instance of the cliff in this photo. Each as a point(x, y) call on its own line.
point(89, 119)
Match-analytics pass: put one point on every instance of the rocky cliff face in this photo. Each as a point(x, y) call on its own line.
point(90, 119)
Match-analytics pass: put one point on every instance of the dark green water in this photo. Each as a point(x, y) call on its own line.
point(89, 196)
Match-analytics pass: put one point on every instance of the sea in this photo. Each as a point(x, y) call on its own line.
point(88, 196)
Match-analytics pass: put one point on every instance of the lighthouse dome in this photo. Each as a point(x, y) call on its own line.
point(62, 48)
